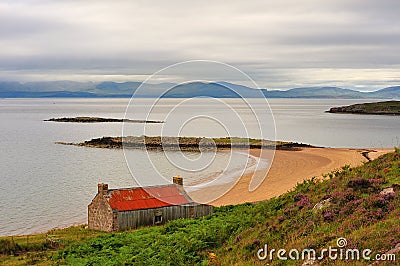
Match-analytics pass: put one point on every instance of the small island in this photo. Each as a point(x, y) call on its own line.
point(88, 119)
point(378, 108)
point(185, 143)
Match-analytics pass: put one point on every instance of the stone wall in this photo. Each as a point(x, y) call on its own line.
point(100, 214)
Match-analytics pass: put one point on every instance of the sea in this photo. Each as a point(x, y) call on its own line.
point(44, 185)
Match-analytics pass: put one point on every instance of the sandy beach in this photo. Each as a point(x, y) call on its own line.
point(288, 169)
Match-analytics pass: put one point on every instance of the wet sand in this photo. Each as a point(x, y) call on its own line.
point(288, 169)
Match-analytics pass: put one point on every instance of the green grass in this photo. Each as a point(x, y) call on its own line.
point(233, 234)
point(389, 106)
point(38, 248)
point(237, 140)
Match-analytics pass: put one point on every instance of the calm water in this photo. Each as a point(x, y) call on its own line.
point(44, 185)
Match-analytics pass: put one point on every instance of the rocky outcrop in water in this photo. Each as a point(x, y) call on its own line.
point(185, 143)
point(87, 119)
point(378, 108)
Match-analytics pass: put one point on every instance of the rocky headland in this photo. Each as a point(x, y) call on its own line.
point(378, 108)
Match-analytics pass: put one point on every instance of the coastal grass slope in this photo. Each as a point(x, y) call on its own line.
point(361, 204)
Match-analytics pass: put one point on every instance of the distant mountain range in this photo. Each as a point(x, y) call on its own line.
point(72, 89)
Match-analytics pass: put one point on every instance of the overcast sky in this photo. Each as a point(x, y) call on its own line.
point(280, 44)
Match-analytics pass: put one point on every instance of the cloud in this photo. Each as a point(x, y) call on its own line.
point(279, 42)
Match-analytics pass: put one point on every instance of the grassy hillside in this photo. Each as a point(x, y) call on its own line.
point(353, 209)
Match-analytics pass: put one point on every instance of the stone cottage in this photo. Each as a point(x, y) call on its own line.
point(128, 208)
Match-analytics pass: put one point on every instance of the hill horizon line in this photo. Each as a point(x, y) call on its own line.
point(217, 89)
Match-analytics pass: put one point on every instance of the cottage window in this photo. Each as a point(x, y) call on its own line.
point(158, 219)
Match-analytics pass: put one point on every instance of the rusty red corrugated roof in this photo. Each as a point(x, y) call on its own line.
point(147, 198)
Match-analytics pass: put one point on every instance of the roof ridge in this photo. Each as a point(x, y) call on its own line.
point(144, 187)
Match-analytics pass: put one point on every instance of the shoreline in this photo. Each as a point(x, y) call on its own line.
point(288, 168)
point(229, 177)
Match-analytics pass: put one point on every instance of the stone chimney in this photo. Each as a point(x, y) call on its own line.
point(178, 180)
point(102, 189)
